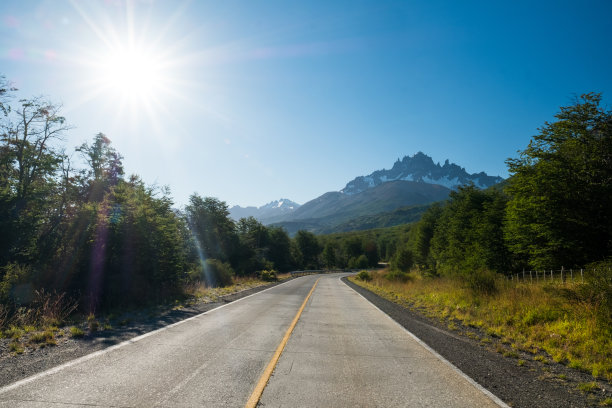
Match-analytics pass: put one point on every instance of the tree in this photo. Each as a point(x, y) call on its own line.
point(309, 248)
point(105, 166)
point(561, 190)
point(212, 228)
point(29, 161)
point(329, 255)
point(403, 260)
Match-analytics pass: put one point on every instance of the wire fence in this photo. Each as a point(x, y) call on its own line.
point(551, 275)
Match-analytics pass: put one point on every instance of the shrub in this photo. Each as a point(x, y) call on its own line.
point(218, 273)
point(268, 275)
point(92, 323)
point(397, 275)
point(360, 262)
point(53, 307)
point(76, 332)
point(403, 260)
point(597, 289)
point(15, 286)
point(482, 281)
point(364, 276)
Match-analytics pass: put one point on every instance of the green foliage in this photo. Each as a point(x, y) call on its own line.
point(217, 273)
point(403, 260)
point(360, 262)
point(329, 255)
point(268, 275)
point(15, 287)
point(309, 248)
point(76, 332)
point(482, 281)
point(468, 234)
point(364, 276)
point(597, 289)
point(397, 275)
point(561, 190)
point(92, 323)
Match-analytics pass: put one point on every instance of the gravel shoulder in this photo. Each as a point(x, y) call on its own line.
point(16, 367)
point(532, 384)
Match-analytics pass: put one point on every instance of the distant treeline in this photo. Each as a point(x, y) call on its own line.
point(554, 211)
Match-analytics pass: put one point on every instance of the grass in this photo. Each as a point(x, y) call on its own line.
point(16, 348)
point(76, 332)
point(200, 292)
point(606, 402)
point(535, 318)
point(587, 387)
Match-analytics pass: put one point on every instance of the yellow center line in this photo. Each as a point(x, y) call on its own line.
point(263, 380)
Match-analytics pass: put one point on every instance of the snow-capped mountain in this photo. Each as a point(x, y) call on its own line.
point(421, 168)
point(273, 209)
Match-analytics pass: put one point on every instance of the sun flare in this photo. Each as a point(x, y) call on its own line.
point(131, 73)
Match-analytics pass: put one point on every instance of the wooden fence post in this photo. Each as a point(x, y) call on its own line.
point(530, 277)
point(561, 274)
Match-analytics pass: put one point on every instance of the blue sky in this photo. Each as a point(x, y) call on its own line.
point(253, 101)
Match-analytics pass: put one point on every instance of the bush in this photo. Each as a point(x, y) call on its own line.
point(92, 323)
point(76, 332)
point(364, 276)
point(359, 263)
point(218, 273)
point(403, 260)
point(15, 286)
point(482, 281)
point(397, 275)
point(52, 307)
point(268, 275)
point(597, 288)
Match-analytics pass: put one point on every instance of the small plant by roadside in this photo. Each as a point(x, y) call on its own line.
point(587, 387)
point(397, 275)
point(92, 323)
point(16, 348)
point(268, 275)
point(364, 276)
point(606, 402)
point(76, 332)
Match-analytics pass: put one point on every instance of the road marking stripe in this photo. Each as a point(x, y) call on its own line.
point(479, 387)
point(263, 380)
point(125, 343)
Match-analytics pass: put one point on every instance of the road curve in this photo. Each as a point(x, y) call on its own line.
point(343, 352)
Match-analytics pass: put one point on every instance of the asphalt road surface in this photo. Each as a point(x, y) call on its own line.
point(343, 352)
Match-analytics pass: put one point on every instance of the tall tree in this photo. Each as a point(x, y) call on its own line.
point(561, 189)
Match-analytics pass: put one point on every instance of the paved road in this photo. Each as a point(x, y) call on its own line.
point(343, 352)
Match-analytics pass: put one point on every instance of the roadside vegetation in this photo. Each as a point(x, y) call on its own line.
point(554, 212)
point(78, 235)
point(553, 321)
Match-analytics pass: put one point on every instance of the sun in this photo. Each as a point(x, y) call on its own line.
point(132, 74)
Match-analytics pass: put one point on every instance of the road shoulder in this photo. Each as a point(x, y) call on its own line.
point(530, 385)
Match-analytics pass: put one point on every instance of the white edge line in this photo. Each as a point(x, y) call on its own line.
point(482, 389)
point(95, 354)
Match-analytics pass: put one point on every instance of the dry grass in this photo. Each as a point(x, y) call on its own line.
point(200, 292)
point(532, 317)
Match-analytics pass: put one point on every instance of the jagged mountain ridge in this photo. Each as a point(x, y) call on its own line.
point(272, 209)
point(422, 169)
point(334, 208)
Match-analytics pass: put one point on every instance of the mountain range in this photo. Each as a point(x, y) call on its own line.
point(421, 168)
point(273, 209)
point(382, 198)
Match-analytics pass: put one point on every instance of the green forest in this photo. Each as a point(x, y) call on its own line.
point(108, 239)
